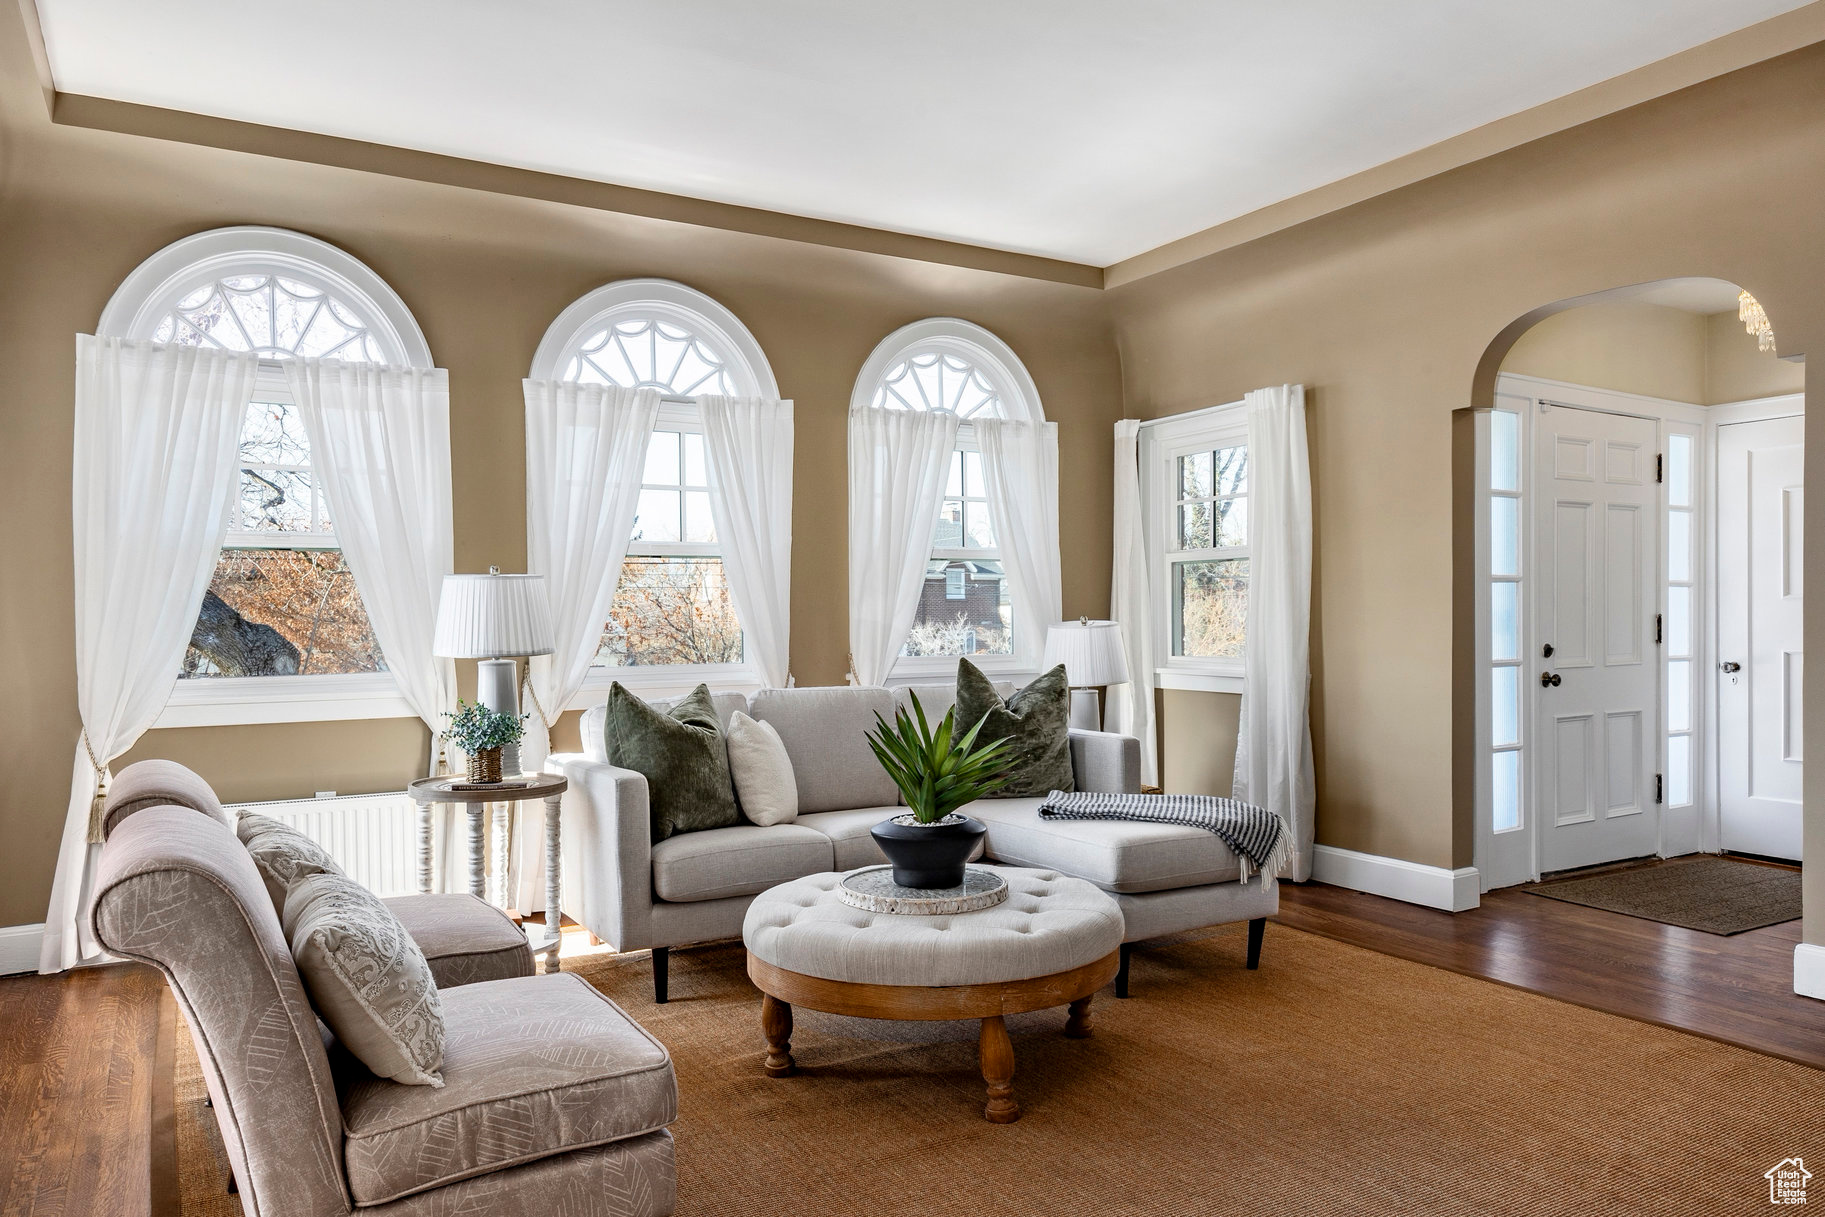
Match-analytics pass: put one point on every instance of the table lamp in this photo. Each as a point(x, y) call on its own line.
point(1092, 654)
point(494, 618)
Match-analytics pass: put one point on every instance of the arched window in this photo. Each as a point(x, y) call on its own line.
point(672, 613)
point(950, 365)
point(282, 604)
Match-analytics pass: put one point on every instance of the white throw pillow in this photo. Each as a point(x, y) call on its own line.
point(762, 771)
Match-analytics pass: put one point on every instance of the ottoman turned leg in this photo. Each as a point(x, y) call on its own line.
point(997, 1054)
point(1078, 1025)
point(776, 1022)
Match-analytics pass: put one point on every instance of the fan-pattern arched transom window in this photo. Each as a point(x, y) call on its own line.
point(282, 602)
point(672, 608)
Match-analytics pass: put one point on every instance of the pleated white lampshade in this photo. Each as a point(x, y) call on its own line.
point(1090, 650)
point(492, 616)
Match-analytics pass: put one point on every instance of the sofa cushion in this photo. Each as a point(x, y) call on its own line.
point(764, 786)
point(464, 938)
point(593, 722)
point(1035, 722)
point(737, 861)
point(367, 979)
point(825, 731)
point(282, 854)
point(532, 1067)
point(1115, 855)
point(849, 834)
point(158, 783)
point(681, 755)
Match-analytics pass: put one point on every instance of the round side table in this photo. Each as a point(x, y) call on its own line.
point(429, 792)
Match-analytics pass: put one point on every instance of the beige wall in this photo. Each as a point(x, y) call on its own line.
point(1198, 741)
point(1649, 349)
point(1395, 313)
point(484, 274)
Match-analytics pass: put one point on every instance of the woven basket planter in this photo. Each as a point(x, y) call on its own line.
point(485, 765)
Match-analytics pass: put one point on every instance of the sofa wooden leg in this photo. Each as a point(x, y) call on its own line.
point(1121, 977)
point(661, 957)
point(1256, 929)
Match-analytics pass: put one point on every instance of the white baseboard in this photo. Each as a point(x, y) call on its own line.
point(1809, 970)
point(1431, 886)
point(19, 946)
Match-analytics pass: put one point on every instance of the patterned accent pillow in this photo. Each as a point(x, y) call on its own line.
point(283, 855)
point(1036, 722)
point(682, 756)
point(367, 979)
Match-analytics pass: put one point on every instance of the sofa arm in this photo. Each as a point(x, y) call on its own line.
point(608, 851)
point(1105, 762)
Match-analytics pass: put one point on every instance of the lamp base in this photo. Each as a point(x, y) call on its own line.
point(497, 686)
point(1086, 710)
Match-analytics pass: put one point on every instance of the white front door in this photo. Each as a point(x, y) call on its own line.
point(1596, 537)
point(1760, 489)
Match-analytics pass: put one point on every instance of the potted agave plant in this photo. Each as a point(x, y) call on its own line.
point(482, 733)
point(937, 772)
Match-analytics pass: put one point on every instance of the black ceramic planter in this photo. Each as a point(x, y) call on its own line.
point(929, 855)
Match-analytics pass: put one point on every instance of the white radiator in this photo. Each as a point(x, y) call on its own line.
point(374, 837)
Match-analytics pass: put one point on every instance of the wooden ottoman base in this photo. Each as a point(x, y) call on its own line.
point(782, 989)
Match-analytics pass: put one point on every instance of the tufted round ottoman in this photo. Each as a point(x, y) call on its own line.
point(1055, 941)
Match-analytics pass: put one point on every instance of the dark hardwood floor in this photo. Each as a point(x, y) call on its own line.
point(1737, 989)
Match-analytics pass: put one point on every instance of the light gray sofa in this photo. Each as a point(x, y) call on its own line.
point(696, 887)
point(554, 1101)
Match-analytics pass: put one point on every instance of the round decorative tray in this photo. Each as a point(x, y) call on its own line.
point(872, 888)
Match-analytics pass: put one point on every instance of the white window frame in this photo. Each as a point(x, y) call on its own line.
point(751, 376)
point(1163, 442)
point(143, 300)
point(1019, 398)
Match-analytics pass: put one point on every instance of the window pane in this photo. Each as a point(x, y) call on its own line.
point(1505, 621)
point(977, 621)
point(1679, 695)
point(670, 610)
point(698, 524)
point(953, 483)
point(1507, 791)
point(1679, 546)
point(1194, 526)
point(1194, 476)
point(1679, 470)
point(1505, 696)
point(656, 518)
point(949, 534)
point(1679, 770)
point(696, 469)
point(1505, 450)
point(272, 433)
point(662, 459)
point(1231, 523)
point(282, 612)
point(972, 476)
point(1209, 608)
point(1679, 621)
point(979, 531)
point(1504, 536)
point(1231, 468)
point(273, 500)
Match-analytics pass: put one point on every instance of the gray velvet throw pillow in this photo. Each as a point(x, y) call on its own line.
point(680, 753)
point(1035, 721)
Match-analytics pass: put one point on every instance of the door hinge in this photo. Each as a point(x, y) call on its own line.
point(1658, 788)
point(1656, 629)
point(1660, 470)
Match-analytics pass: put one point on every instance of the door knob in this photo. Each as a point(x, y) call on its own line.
point(1549, 680)
point(1730, 665)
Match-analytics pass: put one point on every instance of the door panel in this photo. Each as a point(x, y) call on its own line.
point(1760, 595)
point(1596, 504)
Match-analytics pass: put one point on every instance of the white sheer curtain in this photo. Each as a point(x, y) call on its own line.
point(1131, 603)
point(157, 436)
point(380, 448)
point(1274, 742)
point(750, 447)
point(1020, 469)
point(897, 461)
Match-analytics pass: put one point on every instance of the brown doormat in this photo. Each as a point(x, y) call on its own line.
point(1716, 895)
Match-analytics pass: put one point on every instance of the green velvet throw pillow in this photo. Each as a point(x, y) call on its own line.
point(680, 753)
point(1035, 721)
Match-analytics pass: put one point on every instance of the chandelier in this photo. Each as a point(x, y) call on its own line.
point(1749, 312)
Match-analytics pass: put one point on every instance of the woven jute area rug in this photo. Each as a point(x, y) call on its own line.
point(1334, 1080)
point(1716, 895)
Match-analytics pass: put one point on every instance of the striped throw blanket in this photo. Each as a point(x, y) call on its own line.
point(1257, 835)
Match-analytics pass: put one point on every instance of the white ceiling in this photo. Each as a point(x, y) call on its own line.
point(1704, 296)
point(1082, 129)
